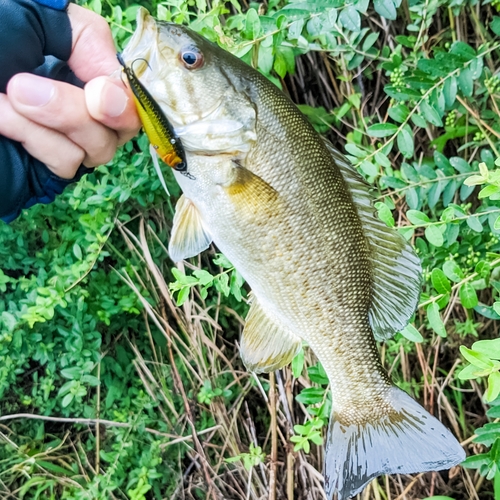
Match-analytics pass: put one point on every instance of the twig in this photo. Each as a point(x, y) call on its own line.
point(98, 413)
point(274, 437)
point(107, 423)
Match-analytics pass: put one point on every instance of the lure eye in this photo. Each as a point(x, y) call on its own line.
point(192, 58)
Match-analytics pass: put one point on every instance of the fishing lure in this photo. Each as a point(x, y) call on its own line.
point(160, 132)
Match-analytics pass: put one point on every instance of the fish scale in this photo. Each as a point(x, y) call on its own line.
point(297, 222)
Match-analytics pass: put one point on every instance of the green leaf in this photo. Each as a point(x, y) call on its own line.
point(460, 165)
point(55, 468)
point(453, 271)
point(265, 59)
point(399, 113)
point(487, 311)
point(475, 224)
point(450, 91)
point(298, 364)
point(495, 27)
point(463, 50)
point(434, 235)
point(71, 373)
point(311, 396)
point(368, 168)
point(431, 114)
point(412, 198)
point(369, 40)
point(468, 296)
point(440, 282)
point(435, 320)
point(405, 142)
point(350, 19)
point(487, 191)
point(490, 348)
point(204, 277)
point(412, 334)
point(476, 461)
point(385, 214)
point(382, 159)
point(280, 64)
point(469, 372)
point(477, 359)
point(77, 251)
point(418, 120)
point(442, 162)
point(182, 296)
point(385, 8)
point(252, 25)
point(465, 82)
point(67, 400)
point(417, 218)
point(382, 130)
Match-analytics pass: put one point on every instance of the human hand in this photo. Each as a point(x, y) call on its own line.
point(62, 125)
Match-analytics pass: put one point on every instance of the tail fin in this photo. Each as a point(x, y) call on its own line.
point(407, 439)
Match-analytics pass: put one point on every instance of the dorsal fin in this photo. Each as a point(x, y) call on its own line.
point(266, 345)
point(397, 272)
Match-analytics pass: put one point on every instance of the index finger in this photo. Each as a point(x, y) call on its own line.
point(93, 52)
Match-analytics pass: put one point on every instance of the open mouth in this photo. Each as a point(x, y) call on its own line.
point(137, 53)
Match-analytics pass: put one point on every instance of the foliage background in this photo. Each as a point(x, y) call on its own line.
point(119, 373)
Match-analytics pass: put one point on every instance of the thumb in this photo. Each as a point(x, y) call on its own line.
point(109, 102)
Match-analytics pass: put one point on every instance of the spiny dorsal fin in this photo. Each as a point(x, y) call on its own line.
point(397, 272)
point(265, 345)
point(188, 237)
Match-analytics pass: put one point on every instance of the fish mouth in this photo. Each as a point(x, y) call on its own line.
point(138, 51)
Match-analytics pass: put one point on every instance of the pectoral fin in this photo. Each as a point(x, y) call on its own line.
point(251, 195)
point(266, 345)
point(188, 237)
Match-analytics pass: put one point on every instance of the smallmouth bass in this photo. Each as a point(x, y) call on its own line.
point(297, 222)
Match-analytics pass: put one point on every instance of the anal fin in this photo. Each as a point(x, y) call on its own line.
point(266, 345)
point(189, 237)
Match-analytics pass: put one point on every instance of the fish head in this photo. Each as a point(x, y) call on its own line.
point(194, 83)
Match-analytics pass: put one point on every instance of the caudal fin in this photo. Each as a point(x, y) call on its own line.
point(405, 440)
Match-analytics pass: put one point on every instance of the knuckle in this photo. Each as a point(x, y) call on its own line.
point(104, 153)
point(66, 167)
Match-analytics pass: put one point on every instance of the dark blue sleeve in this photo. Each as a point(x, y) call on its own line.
point(30, 31)
point(35, 37)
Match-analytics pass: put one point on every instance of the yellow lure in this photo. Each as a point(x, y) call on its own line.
point(160, 132)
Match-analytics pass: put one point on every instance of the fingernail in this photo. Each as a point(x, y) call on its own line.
point(32, 90)
point(113, 100)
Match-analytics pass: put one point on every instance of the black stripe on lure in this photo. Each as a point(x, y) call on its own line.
point(160, 132)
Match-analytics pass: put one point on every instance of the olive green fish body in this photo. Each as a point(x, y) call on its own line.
point(309, 236)
point(297, 221)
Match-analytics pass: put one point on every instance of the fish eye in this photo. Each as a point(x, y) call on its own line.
point(192, 58)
